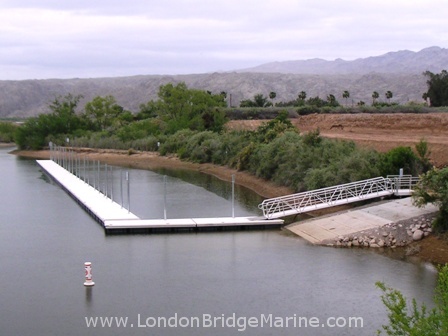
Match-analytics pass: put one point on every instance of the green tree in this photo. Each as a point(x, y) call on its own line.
point(331, 99)
point(7, 131)
point(272, 96)
point(423, 154)
point(346, 95)
point(316, 101)
point(375, 96)
point(258, 101)
point(37, 131)
point(415, 320)
point(302, 95)
point(102, 112)
point(433, 188)
point(437, 88)
point(181, 107)
point(274, 128)
point(389, 95)
point(399, 157)
point(147, 110)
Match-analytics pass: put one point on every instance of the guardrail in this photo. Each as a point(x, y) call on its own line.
point(403, 183)
point(341, 194)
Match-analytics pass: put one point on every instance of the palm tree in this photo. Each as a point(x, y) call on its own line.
point(346, 95)
point(331, 99)
point(260, 100)
point(272, 96)
point(389, 95)
point(375, 96)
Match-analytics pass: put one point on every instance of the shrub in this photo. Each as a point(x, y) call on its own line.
point(399, 157)
point(176, 142)
point(7, 131)
point(433, 188)
point(199, 147)
point(415, 320)
point(307, 109)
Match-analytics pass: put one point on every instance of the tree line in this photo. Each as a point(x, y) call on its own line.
point(259, 100)
point(436, 95)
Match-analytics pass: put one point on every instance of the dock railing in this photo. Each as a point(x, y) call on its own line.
point(403, 184)
point(337, 195)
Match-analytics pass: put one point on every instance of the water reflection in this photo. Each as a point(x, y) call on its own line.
point(89, 296)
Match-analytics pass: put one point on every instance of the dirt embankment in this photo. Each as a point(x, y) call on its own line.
point(378, 131)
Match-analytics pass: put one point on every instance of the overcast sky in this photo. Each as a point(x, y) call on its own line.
point(105, 38)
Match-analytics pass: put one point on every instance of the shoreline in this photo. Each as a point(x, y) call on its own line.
point(433, 249)
point(153, 161)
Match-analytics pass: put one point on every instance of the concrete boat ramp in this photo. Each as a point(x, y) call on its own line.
point(321, 229)
point(117, 219)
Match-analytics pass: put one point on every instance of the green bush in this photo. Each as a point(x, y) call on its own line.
point(433, 188)
point(176, 143)
point(7, 131)
point(200, 146)
point(415, 320)
point(308, 109)
point(141, 129)
point(399, 157)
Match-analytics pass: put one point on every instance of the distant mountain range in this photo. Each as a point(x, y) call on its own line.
point(399, 72)
point(433, 59)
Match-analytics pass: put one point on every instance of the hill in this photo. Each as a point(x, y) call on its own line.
point(434, 59)
point(361, 77)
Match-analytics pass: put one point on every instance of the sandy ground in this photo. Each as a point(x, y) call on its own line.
point(379, 131)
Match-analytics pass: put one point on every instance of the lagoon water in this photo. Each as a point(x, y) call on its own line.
point(45, 238)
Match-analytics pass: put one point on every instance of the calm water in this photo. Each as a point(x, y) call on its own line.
point(45, 238)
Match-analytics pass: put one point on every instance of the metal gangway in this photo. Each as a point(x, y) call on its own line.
point(400, 185)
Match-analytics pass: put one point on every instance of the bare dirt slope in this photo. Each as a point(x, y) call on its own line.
point(378, 131)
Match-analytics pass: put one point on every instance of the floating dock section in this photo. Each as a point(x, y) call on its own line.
point(117, 219)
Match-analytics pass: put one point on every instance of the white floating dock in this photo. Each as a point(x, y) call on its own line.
point(97, 204)
point(115, 218)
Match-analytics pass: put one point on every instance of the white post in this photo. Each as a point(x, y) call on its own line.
point(164, 197)
point(99, 177)
point(112, 183)
point(121, 187)
point(107, 179)
point(399, 179)
point(129, 192)
point(88, 269)
point(233, 195)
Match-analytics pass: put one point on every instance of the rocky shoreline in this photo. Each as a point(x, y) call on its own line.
point(392, 235)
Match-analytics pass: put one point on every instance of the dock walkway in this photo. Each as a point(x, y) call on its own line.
point(115, 218)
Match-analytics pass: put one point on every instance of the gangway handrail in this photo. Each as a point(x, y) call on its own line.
point(341, 194)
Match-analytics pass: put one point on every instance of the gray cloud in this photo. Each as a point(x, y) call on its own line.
point(43, 39)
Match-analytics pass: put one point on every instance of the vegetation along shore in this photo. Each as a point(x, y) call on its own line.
point(299, 145)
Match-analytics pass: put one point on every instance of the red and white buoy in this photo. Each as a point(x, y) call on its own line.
point(88, 268)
